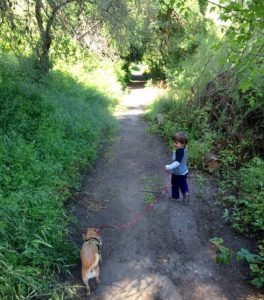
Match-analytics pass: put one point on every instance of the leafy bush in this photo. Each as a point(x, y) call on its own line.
point(252, 194)
point(216, 97)
point(256, 261)
point(256, 264)
point(242, 194)
point(178, 117)
point(247, 209)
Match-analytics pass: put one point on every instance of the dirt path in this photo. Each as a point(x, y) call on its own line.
point(166, 254)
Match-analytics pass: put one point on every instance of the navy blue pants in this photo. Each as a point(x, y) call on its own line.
point(178, 182)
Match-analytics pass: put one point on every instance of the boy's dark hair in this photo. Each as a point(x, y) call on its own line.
point(180, 137)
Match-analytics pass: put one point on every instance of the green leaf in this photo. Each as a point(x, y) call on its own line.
point(212, 9)
point(254, 268)
point(258, 282)
point(239, 256)
point(226, 214)
point(245, 85)
point(217, 240)
point(223, 256)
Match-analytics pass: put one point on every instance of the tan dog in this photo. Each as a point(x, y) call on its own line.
point(90, 256)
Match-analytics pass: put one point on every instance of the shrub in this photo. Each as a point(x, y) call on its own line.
point(247, 209)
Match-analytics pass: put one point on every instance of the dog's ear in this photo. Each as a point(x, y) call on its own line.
point(85, 232)
point(97, 230)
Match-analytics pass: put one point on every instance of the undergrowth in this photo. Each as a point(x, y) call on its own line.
point(49, 131)
point(222, 117)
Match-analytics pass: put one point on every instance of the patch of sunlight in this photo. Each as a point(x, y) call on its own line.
point(134, 103)
point(148, 286)
point(207, 291)
point(213, 13)
point(259, 297)
point(141, 97)
point(122, 115)
point(138, 69)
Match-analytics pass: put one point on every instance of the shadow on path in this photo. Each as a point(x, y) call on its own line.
point(137, 82)
point(166, 254)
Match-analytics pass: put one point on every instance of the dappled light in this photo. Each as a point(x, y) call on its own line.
point(144, 121)
point(137, 100)
point(138, 97)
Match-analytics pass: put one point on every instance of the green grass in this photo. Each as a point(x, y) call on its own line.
point(207, 103)
point(49, 131)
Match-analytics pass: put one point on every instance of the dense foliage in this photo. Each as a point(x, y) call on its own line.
point(44, 29)
point(216, 94)
point(59, 66)
point(49, 132)
point(51, 127)
point(60, 76)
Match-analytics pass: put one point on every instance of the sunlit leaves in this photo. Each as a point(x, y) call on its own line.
point(223, 253)
point(203, 4)
point(42, 26)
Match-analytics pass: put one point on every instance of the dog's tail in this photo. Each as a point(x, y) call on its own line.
point(97, 258)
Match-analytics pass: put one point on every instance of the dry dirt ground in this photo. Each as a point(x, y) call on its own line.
point(166, 253)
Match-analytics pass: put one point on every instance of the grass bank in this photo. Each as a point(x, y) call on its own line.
point(49, 131)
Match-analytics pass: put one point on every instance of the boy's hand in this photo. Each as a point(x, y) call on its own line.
point(165, 169)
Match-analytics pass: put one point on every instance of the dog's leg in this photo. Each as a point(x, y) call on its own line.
point(85, 279)
point(97, 272)
point(88, 292)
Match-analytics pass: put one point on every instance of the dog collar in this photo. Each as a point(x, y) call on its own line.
point(95, 241)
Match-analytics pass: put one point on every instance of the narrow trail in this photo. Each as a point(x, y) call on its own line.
point(166, 254)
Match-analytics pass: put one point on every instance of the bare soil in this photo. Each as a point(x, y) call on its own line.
point(166, 253)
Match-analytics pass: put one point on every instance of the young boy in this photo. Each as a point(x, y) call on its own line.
point(179, 168)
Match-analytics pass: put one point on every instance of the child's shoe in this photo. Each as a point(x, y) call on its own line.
point(187, 196)
point(174, 199)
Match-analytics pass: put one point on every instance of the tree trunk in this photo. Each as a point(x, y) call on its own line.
point(43, 57)
point(43, 63)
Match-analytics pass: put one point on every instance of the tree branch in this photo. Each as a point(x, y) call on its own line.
point(39, 17)
point(223, 7)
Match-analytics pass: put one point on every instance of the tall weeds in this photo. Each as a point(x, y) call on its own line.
point(49, 131)
point(211, 99)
